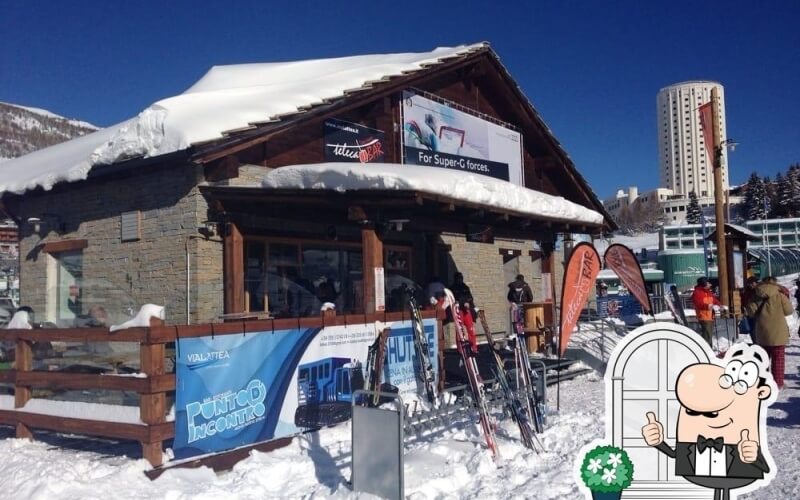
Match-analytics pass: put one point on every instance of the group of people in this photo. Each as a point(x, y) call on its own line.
point(518, 292)
point(765, 305)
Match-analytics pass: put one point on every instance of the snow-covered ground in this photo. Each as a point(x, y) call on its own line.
point(453, 464)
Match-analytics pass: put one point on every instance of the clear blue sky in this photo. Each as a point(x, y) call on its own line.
point(591, 68)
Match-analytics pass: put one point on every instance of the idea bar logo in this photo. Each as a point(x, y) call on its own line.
point(365, 153)
point(351, 142)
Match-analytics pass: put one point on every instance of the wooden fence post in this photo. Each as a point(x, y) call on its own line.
point(152, 407)
point(22, 394)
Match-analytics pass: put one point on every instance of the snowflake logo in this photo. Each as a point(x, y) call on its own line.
point(609, 475)
point(614, 459)
point(594, 465)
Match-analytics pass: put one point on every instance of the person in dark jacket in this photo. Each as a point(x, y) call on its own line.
point(519, 291)
point(769, 308)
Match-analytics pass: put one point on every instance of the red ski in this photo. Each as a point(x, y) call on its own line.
point(468, 354)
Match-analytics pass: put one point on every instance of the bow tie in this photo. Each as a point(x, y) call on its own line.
point(703, 443)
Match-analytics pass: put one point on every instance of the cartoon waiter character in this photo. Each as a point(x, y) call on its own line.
point(720, 422)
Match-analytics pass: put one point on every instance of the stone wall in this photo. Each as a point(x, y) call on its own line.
point(482, 267)
point(120, 275)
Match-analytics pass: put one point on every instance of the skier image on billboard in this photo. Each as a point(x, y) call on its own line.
point(437, 135)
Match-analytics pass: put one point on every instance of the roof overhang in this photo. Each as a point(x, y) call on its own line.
point(419, 210)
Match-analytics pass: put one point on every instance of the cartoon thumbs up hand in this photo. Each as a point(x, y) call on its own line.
point(748, 450)
point(653, 432)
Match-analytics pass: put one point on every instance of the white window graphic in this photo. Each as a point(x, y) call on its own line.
point(642, 379)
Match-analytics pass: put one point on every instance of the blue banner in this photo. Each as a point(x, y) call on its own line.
point(240, 389)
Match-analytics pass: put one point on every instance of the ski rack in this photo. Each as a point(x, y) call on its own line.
point(450, 409)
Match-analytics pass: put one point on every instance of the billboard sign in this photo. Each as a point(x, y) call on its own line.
point(236, 390)
point(351, 142)
point(437, 135)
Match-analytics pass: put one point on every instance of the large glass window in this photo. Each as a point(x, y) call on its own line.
point(334, 275)
point(66, 296)
point(294, 279)
point(398, 282)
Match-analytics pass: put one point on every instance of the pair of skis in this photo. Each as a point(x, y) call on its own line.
point(513, 404)
point(376, 354)
point(422, 349)
point(525, 374)
point(465, 349)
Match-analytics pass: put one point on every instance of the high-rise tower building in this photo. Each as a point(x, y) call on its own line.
point(684, 162)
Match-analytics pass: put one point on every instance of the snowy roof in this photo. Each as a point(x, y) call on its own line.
point(458, 185)
point(733, 228)
point(744, 231)
point(226, 99)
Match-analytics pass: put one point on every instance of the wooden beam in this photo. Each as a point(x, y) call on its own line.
point(60, 380)
point(545, 163)
point(75, 335)
point(372, 258)
point(86, 427)
point(64, 245)
point(152, 407)
point(24, 363)
point(356, 213)
point(224, 168)
point(233, 272)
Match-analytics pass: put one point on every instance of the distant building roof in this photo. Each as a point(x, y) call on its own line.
point(734, 230)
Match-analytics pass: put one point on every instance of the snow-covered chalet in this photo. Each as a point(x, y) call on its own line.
point(265, 190)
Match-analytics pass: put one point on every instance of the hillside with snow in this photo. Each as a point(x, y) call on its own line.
point(24, 130)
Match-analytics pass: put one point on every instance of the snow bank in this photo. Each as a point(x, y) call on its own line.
point(227, 98)
point(472, 188)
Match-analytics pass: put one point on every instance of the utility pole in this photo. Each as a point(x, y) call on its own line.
point(719, 205)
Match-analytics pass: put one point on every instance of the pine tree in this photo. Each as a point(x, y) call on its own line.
point(793, 178)
point(770, 196)
point(693, 212)
point(750, 194)
point(756, 200)
point(781, 202)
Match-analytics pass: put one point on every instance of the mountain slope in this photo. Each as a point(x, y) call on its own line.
point(24, 130)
